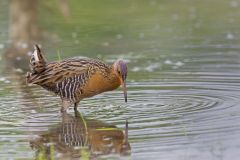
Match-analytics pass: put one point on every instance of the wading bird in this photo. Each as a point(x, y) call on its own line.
point(74, 79)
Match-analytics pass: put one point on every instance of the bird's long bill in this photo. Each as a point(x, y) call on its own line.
point(124, 90)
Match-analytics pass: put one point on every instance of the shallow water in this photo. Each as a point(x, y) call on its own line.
point(183, 84)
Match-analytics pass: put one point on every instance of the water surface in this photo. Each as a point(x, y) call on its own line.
point(183, 83)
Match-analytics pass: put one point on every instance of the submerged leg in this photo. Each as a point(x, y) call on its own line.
point(65, 105)
point(77, 113)
point(75, 106)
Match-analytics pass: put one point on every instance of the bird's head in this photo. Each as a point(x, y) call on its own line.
point(120, 68)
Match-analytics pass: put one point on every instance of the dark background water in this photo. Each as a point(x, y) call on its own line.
point(183, 83)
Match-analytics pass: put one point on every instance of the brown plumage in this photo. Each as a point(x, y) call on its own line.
point(76, 78)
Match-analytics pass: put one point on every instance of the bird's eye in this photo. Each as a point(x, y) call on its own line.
point(119, 72)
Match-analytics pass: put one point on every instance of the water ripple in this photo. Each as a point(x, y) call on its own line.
point(183, 109)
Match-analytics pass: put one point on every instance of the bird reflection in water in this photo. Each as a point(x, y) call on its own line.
point(77, 137)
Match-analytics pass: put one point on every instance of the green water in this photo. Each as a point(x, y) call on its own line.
point(183, 82)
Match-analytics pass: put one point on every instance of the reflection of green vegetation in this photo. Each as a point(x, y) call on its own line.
point(52, 152)
point(85, 127)
point(108, 129)
point(85, 153)
point(41, 156)
point(42, 153)
point(59, 56)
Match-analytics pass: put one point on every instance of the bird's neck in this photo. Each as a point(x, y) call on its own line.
point(102, 82)
point(113, 80)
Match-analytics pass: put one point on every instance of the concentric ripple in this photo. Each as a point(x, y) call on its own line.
point(184, 113)
point(193, 110)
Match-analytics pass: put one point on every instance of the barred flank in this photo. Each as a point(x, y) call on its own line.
point(65, 78)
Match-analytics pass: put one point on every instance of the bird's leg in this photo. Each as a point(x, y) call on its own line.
point(65, 105)
point(75, 106)
point(77, 114)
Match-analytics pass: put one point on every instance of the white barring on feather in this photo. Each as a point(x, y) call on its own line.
point(35, 54)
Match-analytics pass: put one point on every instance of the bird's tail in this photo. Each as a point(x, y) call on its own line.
point(37, 61)
point(37, 64)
